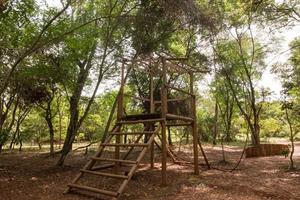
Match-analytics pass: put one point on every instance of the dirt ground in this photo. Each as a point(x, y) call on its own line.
point(30, 176)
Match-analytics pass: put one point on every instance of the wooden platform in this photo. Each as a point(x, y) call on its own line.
point(155, 116)
point(141, 116)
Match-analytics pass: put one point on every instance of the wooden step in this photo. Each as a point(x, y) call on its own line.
point(132, 133)
point(124, 145)
point(104, 174)
point(91, 189)
point(115, 160)
point(141, 121)
point(178, 117)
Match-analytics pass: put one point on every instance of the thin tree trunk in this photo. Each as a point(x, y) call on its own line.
point(291, 139)
point(169, 136)
point(71, 131)
point(19, 139)
point(215, 132)
point(51, 133)
point(60, 126)
point(223, 152)
point(187, 136)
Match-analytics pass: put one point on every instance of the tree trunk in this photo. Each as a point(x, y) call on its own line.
point(13, 139)
point(40, 145)
point(74, 112)
point(71, 131)
point(51, 133)
point(187, 136)
point(215, 132)
point(19, 139)
point(169, 136)
point(229, 114)
point(60, 126)
point(291, 139)
point(255, 139)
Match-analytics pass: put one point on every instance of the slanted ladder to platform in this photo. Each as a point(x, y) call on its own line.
point(113, 141)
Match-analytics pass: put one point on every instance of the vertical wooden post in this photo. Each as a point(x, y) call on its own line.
point(119, 116)
point(194, 125)
point(121, 94)
point(151, 93)
point(164, 111)
point(151, 111)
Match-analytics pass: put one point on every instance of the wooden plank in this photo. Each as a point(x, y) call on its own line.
point(89, 164)
point(106, 166)
point(178, 117)
point(152, 110)
point(143, 116)
point(120, 113)
point(104, 174)
point(172, 100)
point(194, 126)
point(132, 133)
point(115, 160)
point(164, 109)
point(141, 121)
point(179, 90)
point(178, 69)
point(133, 169)
point(121, 95)
point(91, 189)
point(180, 124)
point(110, 118)
point(117, 152)
point(178, 99)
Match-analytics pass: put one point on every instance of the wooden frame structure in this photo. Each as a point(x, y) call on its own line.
point(155, 123)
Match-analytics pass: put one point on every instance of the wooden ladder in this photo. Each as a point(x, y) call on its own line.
point(150, 132)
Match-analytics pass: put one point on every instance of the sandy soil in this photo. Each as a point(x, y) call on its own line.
point(30, 176)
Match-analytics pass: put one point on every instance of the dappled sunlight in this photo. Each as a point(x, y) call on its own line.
point(149, 100)
point(256, 178)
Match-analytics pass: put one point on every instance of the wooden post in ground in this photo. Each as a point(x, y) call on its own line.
point(164, 111)
point(194, 125)
point(119, 117)
point(151, 111)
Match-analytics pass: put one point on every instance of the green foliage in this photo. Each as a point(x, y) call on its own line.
point(285, 152)
point(68, 60)
point(4, 136)
point(34, 128)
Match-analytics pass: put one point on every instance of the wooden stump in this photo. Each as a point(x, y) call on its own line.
point(267, 150)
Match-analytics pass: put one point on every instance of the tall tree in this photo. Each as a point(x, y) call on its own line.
point(289, 74)
point(241, 69)
point(99, 41)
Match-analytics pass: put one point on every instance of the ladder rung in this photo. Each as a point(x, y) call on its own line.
point(115, 160)
point(104, 174)
point(178, 117)
point(124, 145)
point(132, 133)
point(91, 189)
point(141, 121)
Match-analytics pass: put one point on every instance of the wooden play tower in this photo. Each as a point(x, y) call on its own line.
point(116, 166)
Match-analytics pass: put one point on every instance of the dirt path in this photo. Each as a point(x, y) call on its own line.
point(30, 176)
